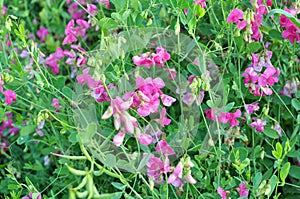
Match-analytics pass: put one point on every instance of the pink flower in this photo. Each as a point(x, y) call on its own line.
point(3, 11)
point(243, 190)
point(156, 168)
point(42, 33)
point(278, 129)
point(167, 100)
point(200, 2)
point(258, 124)
point(176, 177)
point(188, 99)
point(143, 60)
point(85, 78)
point(106, 2)
point(171, 73)
point(55, 103)
point(118, 108)
point(144, 139)
point(92, 9)
point(232, 118)
point(210, 114)
point(118, 138)
point(289, 88)
point(10, 96)
point(161, 56)
point(164, 148)
point(1, 84)
point(223, 193)
point(163, 120)
point(237, 16)
point(251, 108)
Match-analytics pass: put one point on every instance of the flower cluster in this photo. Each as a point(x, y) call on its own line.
point(291, 32)
point(259, 83)
point(242, 189)
point(180, 175)
point(7, 129)
point(224, 117)
point(10, 95)
point(152, 59)
point(146, 100)
point(250, 21)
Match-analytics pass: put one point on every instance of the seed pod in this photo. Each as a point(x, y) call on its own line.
point(75, 171)
point(81, 194)
point(81, 185)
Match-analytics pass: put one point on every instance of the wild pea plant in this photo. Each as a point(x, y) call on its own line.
point(149, 99)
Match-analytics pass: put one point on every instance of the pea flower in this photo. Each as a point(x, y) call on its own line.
point(10, 96)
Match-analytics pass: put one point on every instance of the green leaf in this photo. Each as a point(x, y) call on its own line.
point(73, 137)
point(298, 94)
point(270, 132)
point(192, 68)
point(2, 113)
point(288, 15)
point(296, 104)
point(119, 4)
point(88, 133)
point(275, 34)
point(240, 43)
point(295, 172)
point(27, 130)
point(118, 185)
point(278, 153)
point(285, 171)
point(257, 180)
point(273, 183)
point(253, 47)
point(116, 195)
point(107, 23)
point(68, 92)
point(228, 107)
point(111, 160)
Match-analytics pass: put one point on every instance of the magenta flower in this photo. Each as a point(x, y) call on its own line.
point(167, 100)
point(278, 129)
point(10, 96)
point(43, 33)
point(172, 73)
point(210, 114)
point(143, 60)
point(292, 32)
point(92, 9)
point(1, 83)
point(55, 103)
point(243, 190)
point(237, 16)
point(251, 108)
point(176, 177)
point(118, 138)
point(223, 193)
point(258, 124)
point(156, 168)
point(106, 2)
point(150, 59)
point(164, 148)
point(86, 78)
point(289, 88)
point(163, 120)
point(200, 2)
point(118, 108)
point(3, 11)
point(188, 99)
point(144, 139)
